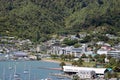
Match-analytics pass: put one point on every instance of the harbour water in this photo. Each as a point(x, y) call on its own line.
point(29, 70)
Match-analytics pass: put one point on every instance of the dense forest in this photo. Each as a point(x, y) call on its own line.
point(38, 19)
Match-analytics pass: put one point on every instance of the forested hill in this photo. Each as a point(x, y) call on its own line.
point(37, 19)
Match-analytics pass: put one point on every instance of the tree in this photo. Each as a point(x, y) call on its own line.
point(74, 63)
point(77, 35)
point(62, 64)
point(86, 39)
point(69, 42)
point(103, 56)
point(83, 56)
point(77, 45)
point(96, 57)
point(114, 64)
point(54, 56)
point(70, 57)
point(76, 77)
point(80, 62)
point(109, 57)
point(109, 75)
point(62, 57)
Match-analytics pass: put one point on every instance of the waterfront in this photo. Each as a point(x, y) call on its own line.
point(33, 71)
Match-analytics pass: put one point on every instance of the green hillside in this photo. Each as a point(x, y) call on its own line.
point(38, 19)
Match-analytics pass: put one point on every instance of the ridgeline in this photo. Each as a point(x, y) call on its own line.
point(38, 19)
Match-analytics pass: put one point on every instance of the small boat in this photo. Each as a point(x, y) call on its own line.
point(25, 72)
point(9, 68)
point(25, 69)
point(16, 75)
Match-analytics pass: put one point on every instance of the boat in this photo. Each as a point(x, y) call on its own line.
point(10, 68)
point(16, 75)
point(25, 70)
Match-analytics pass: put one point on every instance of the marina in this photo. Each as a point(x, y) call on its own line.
point(29, 70)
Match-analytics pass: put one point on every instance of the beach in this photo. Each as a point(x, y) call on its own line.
point(55, 61)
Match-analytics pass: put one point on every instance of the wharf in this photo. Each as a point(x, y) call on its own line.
point(59, 75)
point(50, 68)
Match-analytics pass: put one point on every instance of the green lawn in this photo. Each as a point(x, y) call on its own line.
point(88, 64)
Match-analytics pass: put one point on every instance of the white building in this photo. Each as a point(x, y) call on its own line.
point(102, 51)
point(77, 52)
point(88, 71)
point(114, 54)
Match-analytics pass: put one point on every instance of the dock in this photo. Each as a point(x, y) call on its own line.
point(59, 75)
point(50, 68)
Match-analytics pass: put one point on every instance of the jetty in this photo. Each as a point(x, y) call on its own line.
point(59, 75)
point(50, 68)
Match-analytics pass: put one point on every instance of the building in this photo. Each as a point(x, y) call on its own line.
point(77, 52)
point(114, 54)
point(85, 72)
point(102, 51)
point(20, 54)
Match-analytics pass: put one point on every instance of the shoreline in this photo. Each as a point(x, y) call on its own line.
point(54, 61)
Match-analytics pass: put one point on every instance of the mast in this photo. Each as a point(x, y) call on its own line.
point(3, 73)
point(29, 73)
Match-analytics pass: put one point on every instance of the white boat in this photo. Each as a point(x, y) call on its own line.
point(25, 69)
point(16, 75)
point(10, 68)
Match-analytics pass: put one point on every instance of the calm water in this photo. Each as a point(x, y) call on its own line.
point(8, 68)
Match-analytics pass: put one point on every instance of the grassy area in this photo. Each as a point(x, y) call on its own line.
point(88, 64)
point(118, 74)
point(85, 64)
point(56, 60)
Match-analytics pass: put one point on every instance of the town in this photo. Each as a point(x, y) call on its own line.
point(87, 58)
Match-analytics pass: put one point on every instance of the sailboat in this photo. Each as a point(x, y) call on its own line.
point(10, 67)
point(3, 74)
point(16, 76)
point(25, 70)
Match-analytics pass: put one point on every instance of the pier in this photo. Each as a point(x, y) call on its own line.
point(59, 75)
point(50, 68)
